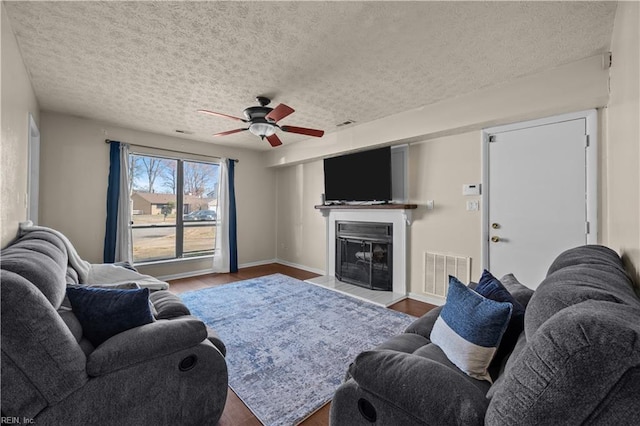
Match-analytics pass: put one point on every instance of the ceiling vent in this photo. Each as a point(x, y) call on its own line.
point(345, 123)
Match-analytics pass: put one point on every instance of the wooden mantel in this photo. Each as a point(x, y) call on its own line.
point(405, 209)
point(389, 206)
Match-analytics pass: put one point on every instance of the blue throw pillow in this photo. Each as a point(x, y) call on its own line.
point(491, 288)
point(469, 329)
point(103, 313)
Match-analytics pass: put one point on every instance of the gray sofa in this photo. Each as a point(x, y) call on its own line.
point(576, 362)
point(171, 371)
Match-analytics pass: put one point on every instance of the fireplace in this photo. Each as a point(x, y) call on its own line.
point(383, 249)
point(364, 254)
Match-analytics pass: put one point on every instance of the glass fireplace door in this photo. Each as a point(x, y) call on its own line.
point(366, 263)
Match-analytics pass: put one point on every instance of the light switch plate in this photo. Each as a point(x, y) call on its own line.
point(471, 189)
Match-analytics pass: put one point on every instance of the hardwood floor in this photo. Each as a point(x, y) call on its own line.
point(235, 412)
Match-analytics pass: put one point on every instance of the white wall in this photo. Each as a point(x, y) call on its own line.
point(301, 228)
point(437, 170)
point(18, 100)
point(74, 186)
point(622, 150)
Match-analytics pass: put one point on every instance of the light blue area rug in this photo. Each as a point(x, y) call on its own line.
point(289, 343)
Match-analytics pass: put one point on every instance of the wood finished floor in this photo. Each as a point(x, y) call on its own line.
point(235, 412)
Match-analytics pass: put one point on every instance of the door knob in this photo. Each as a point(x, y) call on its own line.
point(495, 239)
point(495, 226)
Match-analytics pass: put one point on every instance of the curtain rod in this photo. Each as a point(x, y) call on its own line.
point(172, 150)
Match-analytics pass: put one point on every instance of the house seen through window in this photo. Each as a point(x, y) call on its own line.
point(174, 207)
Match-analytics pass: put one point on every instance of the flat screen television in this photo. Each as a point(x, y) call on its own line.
point(359, 177)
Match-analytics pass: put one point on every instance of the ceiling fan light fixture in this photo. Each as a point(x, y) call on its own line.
point(262, 122)
point(262, 129)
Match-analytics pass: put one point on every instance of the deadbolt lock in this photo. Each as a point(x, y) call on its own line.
point(495, 226)
point(495, 239)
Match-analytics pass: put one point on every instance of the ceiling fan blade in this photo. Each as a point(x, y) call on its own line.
point(274, 140)
point(280, 112)
point(303, 131)
point(219, 114)
point(230, 132)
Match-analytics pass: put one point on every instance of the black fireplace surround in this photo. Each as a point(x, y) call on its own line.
point(364, 254)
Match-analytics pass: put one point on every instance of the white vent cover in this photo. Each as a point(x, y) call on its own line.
point(438, 267)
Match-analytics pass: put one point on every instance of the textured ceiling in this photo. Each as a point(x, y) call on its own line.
point(151, 65)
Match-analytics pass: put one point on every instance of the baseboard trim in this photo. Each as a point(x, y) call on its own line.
point(197, 273)
point(189, 274)
point(438, 301)
point(258, 263)
point(303, 267)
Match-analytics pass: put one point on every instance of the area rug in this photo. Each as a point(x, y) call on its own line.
point(289, 343)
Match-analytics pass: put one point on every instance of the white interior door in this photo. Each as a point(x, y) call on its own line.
point(536, 197)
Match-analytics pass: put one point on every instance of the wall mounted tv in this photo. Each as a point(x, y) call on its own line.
point(359, 177)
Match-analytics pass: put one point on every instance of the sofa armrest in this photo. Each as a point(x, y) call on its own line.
point(214, 338)
point(424, 324)
point(147, 342)
point(420, 386)
point(168, 305)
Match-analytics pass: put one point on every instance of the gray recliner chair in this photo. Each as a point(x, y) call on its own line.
point(166, 372)
point(576, 362)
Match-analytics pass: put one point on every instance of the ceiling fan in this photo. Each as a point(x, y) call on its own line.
point(262, 121)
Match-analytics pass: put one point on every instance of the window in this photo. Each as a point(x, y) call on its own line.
point(174, 203)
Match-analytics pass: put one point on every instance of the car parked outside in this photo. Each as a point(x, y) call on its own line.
point(200, 215)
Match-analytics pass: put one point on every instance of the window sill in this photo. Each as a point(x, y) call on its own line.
point(170, 261)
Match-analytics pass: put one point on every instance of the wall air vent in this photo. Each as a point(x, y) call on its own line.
point(438, 267)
